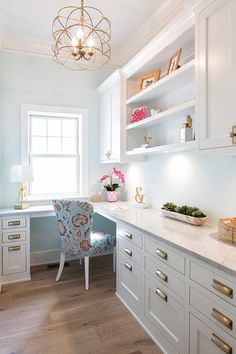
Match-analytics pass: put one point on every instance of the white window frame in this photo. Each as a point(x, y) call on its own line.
point(64, 112)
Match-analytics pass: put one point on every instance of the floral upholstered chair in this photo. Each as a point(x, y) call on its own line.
point(75, 220)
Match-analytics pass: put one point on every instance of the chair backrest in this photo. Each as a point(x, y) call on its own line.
point(74, 219)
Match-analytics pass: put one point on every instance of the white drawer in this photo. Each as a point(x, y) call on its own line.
point(166, 255)
point(132, 235)
point(17, 222)
point(224, 318)
point(206, 340)
point(167, 277)
point(130, 251)
point(165, 313)
point(14, 259)
point(13, 236)
point(130, 283)
point(214, 282)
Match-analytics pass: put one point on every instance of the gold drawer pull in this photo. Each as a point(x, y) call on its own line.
point(14, 223)
point(13, 248)
point(222, 288)
point(127, 251)
point(161, 253)
point(161, 293)
point(222, 318)
point(128, 266)
point(14, 237)
point(128, 235)
point(162, 276)
point(221, 344)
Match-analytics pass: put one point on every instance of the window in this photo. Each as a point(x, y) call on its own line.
point(54, 142)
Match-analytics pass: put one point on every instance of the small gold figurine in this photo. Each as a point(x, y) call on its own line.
point(139, 196)
point(147, 139)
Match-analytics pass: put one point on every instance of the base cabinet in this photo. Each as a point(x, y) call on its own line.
point(14, 259)
point(204, 340)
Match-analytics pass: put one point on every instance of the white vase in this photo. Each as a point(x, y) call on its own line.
point(112, 196)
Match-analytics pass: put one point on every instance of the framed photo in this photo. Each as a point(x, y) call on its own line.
point(148, 79)
point(173, 62)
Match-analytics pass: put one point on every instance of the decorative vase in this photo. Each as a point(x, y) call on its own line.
point(112, 196)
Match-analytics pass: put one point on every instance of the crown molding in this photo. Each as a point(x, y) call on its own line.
point(31, 46)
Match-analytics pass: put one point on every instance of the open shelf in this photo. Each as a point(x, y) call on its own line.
point(172, 82)
point(178, 147)
point(167, 115)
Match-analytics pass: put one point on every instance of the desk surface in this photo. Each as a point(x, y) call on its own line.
point(200, 241)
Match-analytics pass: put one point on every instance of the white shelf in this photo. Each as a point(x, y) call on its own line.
point(172, 82)
point(190, 145)
point(165, 116)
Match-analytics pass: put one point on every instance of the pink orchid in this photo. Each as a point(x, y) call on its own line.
point(112, 186)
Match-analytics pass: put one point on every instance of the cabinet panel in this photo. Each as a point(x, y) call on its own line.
point(216, 73)
point(105, 126)
point(115, 124)
point(130, 283)
point(166, 313)
point(204, 340)
point(14, 259)
point(13, 236)
point(17, 222)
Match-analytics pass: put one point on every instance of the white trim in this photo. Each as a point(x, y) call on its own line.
point(27, 110)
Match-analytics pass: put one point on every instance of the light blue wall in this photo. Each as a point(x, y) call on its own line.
point(208, 182)
point(37, 80)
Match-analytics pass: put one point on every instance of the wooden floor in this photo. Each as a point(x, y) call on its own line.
point(43, 316)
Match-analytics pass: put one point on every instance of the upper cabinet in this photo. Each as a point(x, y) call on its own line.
point(216, 75)
point(110, 99)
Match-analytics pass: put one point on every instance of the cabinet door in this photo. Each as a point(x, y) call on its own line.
point(166, 314)
point(216, 73)
point(105, 126)
point(203, 340)
point(14, 259)
point(115, 123)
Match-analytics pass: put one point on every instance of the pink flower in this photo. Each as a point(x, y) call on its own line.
point(85, 245)
point(79, 219)
point(103, 178)
point(119, 174)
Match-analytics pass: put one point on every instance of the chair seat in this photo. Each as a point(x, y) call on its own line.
point(98, 242)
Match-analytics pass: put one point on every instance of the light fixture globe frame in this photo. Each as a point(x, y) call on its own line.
point(95, 26)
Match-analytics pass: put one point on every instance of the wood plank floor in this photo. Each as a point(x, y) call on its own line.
point(43, 316)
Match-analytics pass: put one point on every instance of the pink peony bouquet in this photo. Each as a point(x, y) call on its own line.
point(139, 114)
point(108, 180)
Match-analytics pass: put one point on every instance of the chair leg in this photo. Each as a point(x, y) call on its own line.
point(81, 261)
point(86, 268)
point(114, 259)
point(61, 266)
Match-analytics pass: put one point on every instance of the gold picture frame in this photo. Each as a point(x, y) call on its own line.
point(147, 80)
point(173, 63)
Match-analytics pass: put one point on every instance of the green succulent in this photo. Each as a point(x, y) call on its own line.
point(184, 209)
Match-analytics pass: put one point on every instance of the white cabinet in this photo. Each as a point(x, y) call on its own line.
point(216, 73)
point(111, 118)
point(14, 259)
point(204, 340)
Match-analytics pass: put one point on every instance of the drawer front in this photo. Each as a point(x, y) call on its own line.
point(13, 236)
point(167, 277)
point(17, 222)
point(130, 234)
point(130, 283)
point(217, 284)
point(166, 313)
point(165, 255)
point(204, 340)
point(225, 319)
point(130, 251)
point(14, 259)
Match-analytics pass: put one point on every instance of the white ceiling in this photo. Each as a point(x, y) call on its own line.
point(25, 25)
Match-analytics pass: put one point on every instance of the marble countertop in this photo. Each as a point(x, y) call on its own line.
point(199, 241)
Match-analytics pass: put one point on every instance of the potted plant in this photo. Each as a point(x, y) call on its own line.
point(191, 215)
point(111, 182)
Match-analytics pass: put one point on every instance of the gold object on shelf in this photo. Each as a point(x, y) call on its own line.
point(232, 134)
point(226, 321)
point(221, 344)
point(222, 288)
point(82, 37)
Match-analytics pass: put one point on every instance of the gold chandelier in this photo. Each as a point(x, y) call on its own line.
point(81, 38)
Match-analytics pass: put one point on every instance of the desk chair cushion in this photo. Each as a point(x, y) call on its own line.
point(75, 219)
